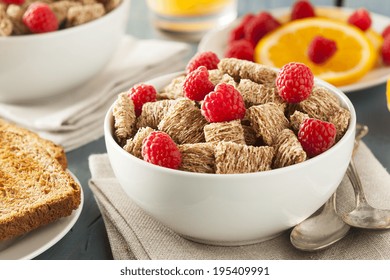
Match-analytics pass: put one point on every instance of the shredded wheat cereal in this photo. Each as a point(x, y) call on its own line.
point(61, 8)
point(225, 131)
point(215, 76)
point(232, 158)
point(174, 89)
point(78, 15)
point(153, 112)
point(249, 135)
point(87, 10)
point(296, 119)
point(340, 119)
point(288, 150)
point(267, 120)
point(198, 157)
point(124, 118)
point(134, 145)
point(243, 69)
point(264, 139)
point(255, 94)
point(320, 104)
point(184, 122)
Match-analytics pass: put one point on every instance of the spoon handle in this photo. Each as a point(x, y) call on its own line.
point(356, 183)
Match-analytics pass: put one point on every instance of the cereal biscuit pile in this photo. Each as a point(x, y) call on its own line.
point(266, 138)
point(69, 13)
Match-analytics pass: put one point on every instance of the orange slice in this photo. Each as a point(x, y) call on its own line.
point(355, 55)
point(340, 15)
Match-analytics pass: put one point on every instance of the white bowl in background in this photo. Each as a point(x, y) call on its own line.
point(41, 65)
point(232, 209)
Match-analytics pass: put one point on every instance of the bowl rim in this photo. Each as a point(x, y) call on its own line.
point(67, 31)
point(109, 138)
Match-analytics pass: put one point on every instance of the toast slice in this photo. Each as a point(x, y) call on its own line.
point(35, 190)
point(54, 150)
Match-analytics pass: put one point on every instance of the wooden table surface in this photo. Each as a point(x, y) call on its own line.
point(88, 238)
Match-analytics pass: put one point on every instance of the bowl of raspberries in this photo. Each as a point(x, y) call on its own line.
point(230, 152)
point(50, 47)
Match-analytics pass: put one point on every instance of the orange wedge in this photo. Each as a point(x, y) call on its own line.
point(355, 56)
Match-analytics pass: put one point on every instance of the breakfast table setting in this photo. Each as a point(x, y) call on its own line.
point(109, 225)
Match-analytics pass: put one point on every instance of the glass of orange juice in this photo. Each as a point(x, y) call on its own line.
point(191, 16)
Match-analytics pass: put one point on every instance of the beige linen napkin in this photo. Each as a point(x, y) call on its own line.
point(135, 235)
point(75, 118)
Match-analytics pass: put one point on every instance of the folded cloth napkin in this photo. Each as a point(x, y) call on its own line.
point(75, 118)
point(135, 235)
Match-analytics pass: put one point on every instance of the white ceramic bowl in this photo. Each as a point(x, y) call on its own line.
point(41, 65)
point(236, 208)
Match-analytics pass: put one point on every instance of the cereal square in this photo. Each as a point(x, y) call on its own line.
point(153, 112)
point(134, 145)
point(232, 158)
point(268, 121)
point(124, 118)
point(255, 94)
point(197, 157)
point(288, 149)
point(225, 131)
point(184, 122)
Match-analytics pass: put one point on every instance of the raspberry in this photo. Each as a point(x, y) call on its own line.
point(208, 59)
point(385, 50)
point(386, 31)
point(360, 18)
point(197, 84)
point(260, 25)
point(321, 49)
point(40, 18)
point(223, 104)
point(241, 49)
point(15, 2)
point(159, 149)
point(302, 9)
point(294, 82)
point(316, 136)
point(238, 32)
point(140, 94)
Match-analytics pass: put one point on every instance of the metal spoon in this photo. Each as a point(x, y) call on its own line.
point(364, 215)
point(327, 227)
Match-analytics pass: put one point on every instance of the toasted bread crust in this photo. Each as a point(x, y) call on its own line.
point(34, 188)
point(56, 151)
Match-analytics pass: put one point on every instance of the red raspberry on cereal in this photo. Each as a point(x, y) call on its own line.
point(386, 31)
point(259, 26)
point(208, 59)
point(360, 18)
point(40, 18)
point(294, 82)
point(158, 148)
point(241, 49)
point(15, 2)
point(316, 136)
point(321, 49)
point(223, 104)
point(197, 84)
point(302, 9)
point(385, 50)
point(140, 94)
point(238, 32)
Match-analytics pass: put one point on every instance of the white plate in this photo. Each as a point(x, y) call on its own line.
point(215, 40)
point(32, 244)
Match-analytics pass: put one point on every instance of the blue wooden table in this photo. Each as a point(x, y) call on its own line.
point(88, 238)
